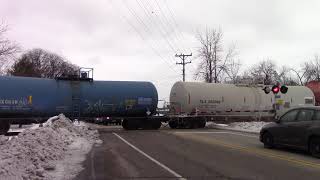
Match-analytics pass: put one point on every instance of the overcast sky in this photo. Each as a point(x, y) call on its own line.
point(137, 39)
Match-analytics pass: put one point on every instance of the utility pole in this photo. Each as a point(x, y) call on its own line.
point(183, 63)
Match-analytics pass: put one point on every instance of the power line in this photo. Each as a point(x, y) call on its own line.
point(132, 11)
point(166, 24)
point(172, 15)
point(147, 30)
point(169, 25)
point(143, 38)
point(161, 24)
point(179, 32)
point(161, 29)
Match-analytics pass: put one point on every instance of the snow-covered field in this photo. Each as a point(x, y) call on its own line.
point(252, 127)
point(52, 151)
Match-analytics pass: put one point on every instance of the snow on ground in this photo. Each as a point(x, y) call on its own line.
point(3, 140)
point(52, 151)
point(252, 127)
point(79, 123)
point(16, 128)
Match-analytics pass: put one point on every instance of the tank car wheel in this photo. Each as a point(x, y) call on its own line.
point(129, 125)
point(195, 124)
point(202, 124)
point(173, 124)
point(4, 126)
point(190, 125)
point(156, 124)
point(125, 124)
point(146, 124)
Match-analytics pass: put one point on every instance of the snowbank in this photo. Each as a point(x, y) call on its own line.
point(251, 127)
point(53, 151)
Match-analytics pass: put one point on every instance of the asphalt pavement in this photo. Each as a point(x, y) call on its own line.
point(192, 154)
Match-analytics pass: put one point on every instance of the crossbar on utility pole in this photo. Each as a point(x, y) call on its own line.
point(183, 63)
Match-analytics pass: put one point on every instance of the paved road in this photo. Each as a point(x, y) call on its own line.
point(192, 154)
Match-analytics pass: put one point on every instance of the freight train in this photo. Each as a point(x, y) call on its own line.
point(192, 104)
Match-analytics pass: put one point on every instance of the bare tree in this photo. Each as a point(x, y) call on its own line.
point(41, 63)
point(284, 76)
point(268, 73)
point(8, 49)
point(264, 72)
point(214, 60)
point(233, 70)
point(309, 71)
point(302, 74)
point(314, 68)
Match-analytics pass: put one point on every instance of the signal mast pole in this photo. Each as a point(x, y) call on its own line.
point(183, 63)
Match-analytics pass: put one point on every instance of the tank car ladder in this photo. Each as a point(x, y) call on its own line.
point(76, 107)
point(76, 99)
point(83, 74)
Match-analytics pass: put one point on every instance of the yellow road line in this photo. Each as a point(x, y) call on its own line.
point(256, 151)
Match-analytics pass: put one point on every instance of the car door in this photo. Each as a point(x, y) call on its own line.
point(296, 130)
point(280, 131)
point(314, 129)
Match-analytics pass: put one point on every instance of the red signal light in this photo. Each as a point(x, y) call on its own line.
point(275, 89)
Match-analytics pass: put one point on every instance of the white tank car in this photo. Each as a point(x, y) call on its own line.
point(228, 100)
point(296, 96)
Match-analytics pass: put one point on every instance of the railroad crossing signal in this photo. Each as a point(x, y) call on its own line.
point(276, 89)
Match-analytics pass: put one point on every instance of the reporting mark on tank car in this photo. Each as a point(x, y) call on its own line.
point(144, 101)
point(130, 102)
point(210, 101)
point(16, 102)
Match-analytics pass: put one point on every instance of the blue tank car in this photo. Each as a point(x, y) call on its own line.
point(23, 97)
